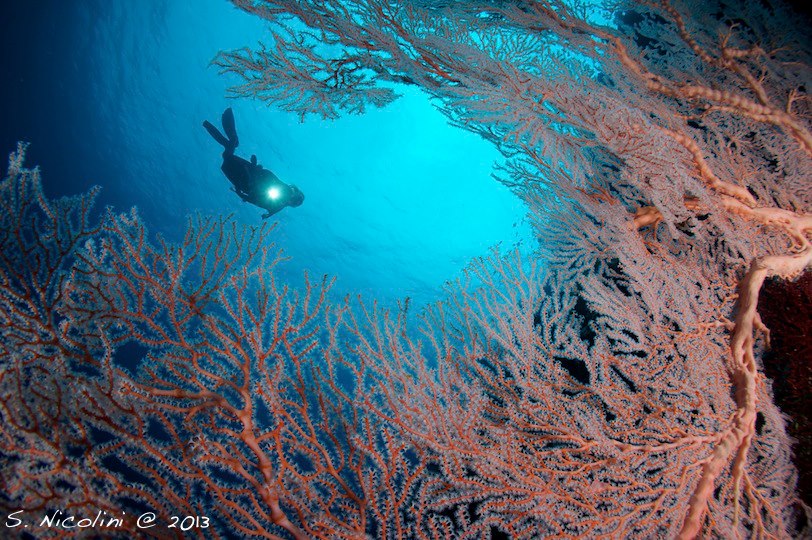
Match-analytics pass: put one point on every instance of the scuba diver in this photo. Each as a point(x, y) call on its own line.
point(251, 182)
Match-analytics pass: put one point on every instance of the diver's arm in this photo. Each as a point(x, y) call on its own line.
point(270, 213)
point(272, 209)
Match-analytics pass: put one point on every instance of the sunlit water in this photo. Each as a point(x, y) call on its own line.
point(114, 93)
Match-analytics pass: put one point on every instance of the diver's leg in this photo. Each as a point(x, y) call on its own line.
point(230, 128)
point(235, 170)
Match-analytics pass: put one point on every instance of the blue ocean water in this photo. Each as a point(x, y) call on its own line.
point(113, 93)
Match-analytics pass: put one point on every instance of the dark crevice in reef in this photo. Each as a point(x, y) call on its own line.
point(786, 309)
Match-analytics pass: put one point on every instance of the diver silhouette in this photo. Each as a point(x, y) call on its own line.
point(251, 182)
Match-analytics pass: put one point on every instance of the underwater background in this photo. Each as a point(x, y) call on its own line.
point(114, 93)
point(595, 370)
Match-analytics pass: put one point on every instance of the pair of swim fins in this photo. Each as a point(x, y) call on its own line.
point(230, 141)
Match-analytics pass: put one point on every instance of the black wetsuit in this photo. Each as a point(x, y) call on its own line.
point(251, 181)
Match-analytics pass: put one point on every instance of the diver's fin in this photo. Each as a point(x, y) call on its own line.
point(215, 133)
point(230, 128)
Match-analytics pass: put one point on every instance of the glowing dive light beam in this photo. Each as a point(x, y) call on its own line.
point(274, 193)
